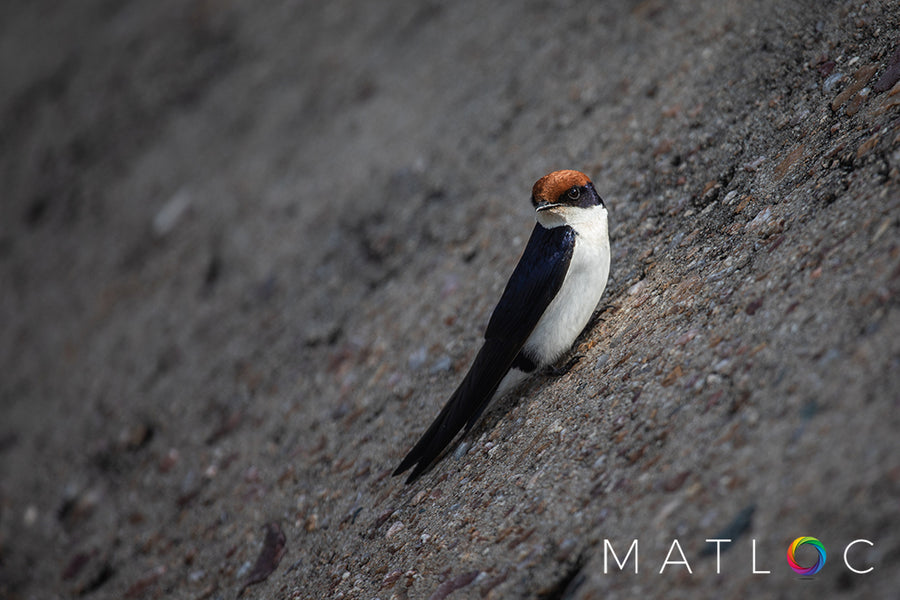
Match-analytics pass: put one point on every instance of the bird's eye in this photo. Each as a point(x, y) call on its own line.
point(574, 193)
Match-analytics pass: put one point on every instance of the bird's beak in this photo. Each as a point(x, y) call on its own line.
point(546, 206)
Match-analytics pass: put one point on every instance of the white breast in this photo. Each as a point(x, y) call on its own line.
point(582, 287)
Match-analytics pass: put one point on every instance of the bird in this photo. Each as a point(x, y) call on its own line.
point(547, 302)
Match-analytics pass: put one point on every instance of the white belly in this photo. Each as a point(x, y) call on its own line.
point(571, 309)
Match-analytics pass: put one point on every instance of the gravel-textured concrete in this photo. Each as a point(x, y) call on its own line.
point(248, 249)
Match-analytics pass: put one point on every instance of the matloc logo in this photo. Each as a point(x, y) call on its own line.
point(680, 559)
point(819, 563)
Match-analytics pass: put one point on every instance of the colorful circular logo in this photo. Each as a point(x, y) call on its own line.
point(800, 541)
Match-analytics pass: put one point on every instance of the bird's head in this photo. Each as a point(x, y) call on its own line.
point(563, 197)
point(559, 197)
point(564, 189)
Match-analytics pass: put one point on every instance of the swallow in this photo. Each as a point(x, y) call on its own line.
point(547, 302)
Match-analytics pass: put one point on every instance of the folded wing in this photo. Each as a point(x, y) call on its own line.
point(533, 285)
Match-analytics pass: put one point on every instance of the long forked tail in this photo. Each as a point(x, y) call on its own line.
point(464, 406)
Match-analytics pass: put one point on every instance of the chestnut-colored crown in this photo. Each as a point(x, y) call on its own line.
point(550, 187)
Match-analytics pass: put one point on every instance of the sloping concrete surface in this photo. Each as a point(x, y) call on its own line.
point(248, 249)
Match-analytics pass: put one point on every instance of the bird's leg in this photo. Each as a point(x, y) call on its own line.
point(555, 371)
